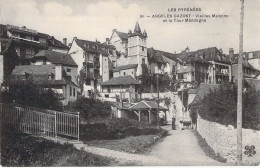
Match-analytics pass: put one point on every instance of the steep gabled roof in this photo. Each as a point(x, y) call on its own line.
point(255, 83)
point(53, 42)
point(57, 57)
point(158, 56)
point(34, 69)
point(40, 74)
point(137, 28)
point(94, 47)
point(202, 91)
point(204, 56)
point(129, 66)
point(123, 80)
point(244, 62)
point(146, 105)
point(122, 36)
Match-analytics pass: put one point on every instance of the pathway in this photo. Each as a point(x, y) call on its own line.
point(179, 148)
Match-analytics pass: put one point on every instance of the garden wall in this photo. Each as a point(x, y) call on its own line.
point(223, 140)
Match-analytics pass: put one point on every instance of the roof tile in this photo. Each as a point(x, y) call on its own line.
point(57, 57)
point(123, 80)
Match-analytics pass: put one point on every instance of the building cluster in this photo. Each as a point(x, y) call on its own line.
point(113, 69)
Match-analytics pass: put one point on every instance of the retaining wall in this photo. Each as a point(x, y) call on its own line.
point(223, 140)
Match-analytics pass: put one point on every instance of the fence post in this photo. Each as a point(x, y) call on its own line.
point(55, 126)
point(78, 126)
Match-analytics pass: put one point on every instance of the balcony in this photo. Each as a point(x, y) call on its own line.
point(24, 41)
point(88, 64)
point(90, 75)
point(185, 69)
point(25, 56)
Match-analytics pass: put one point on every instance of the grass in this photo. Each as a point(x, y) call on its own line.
point(130, 144)
point(23, 150)
point(207, 149)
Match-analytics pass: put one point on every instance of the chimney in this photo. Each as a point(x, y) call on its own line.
point(74, 38)
point(107, 41)
point(65, 41)
point(58, 72)
point(114, 30)
point(231, 54)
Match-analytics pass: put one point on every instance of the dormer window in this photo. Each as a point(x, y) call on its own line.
point(51, 76)
point(86, 45)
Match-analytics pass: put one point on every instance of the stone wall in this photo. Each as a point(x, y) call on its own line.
point(223, 140)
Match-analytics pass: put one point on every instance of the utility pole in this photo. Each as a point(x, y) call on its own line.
point(158, 124)
point(239, 89)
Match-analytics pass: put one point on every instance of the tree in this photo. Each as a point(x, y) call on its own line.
point(82, 77)
point(220, 106)
point(27, 92)
point(89, 108)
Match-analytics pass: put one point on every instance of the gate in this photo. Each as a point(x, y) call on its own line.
point(40, 122)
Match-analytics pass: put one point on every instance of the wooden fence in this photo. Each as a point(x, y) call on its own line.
point(40, 122)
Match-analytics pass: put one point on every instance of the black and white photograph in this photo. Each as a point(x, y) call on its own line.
point(116, 83)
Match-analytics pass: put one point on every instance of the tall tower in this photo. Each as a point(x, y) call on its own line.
point(137, 48)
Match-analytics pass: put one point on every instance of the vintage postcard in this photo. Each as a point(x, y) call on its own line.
point(129, 83)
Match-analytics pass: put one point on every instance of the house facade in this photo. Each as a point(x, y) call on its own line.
point(161, 62)
point(54, 70)
point(24, 43)
point(207, 65)
point(93, 63)
point(251, 65)
point(49, 76)
point(131, 47)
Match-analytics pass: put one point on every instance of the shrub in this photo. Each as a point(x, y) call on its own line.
point(90, 108)
point(220, 106)
point(116, 129)
point(28, 93)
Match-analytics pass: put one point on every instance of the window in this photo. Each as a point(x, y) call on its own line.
point(142, 48)
point(74, 92)
point(114, 63)
point(159, 65)
point(106, 95)
point(22, 52)
point(96, 47)
point(36, 51)
point(36, 38)
point(178, 66)
point(124, 73)
point(23, 36)
point(44, 62)
point(70, 91)
point(68, 70)
point(143, 60)
point(1, 30)
point(51, 76)
point(204, 55)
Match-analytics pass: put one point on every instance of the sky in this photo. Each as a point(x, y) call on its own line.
point(95, 20)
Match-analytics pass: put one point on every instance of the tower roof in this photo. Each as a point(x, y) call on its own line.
point(137, 28)
point(145, 32)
